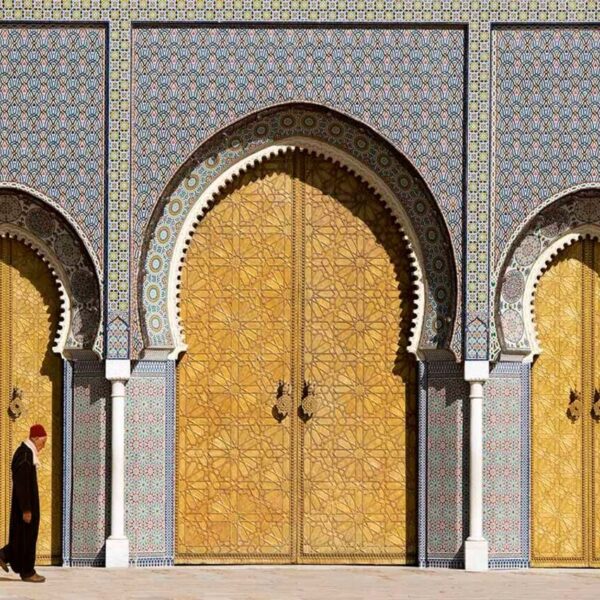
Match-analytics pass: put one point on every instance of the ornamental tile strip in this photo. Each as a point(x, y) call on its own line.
point(90, 466)
point(148, 498)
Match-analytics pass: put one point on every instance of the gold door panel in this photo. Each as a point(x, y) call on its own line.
point(30, 314)
point(233, 457)
point(360, 446)
point(297, 274)
point(564, 482)
point(593, 448)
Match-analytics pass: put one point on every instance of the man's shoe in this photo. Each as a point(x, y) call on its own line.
point(35, 578)
point(3, 565)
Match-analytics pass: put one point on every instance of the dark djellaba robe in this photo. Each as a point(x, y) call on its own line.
point(22, 537)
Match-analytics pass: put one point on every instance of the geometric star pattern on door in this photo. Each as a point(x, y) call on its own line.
point(296, 274)
point(30, 308)
point(565, 522)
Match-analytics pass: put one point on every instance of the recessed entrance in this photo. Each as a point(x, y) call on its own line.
point(296, 410)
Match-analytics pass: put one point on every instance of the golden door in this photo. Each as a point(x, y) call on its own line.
point(296, 398)
point(30, 308)
point(565, 412)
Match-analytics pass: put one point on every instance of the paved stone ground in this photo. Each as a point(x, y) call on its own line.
point(303, 583)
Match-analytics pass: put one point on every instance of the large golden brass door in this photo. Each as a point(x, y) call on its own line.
point(296, 398)
point(566, 412)
point(30, 309)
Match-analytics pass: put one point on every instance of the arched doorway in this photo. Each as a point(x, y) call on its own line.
point(565, 419)
point(30, 309)
point(296, 410)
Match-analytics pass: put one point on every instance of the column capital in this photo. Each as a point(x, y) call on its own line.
point(477, 370)
point(117, 369)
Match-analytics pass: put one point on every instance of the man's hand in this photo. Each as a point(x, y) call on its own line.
point(27, 517)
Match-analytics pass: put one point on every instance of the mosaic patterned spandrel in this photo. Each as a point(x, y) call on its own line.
point(188, 83)
point(91, 462)
point(447, 463)
point(147, 484)
point(546, 110)
point(52, 130)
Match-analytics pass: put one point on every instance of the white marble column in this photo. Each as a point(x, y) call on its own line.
point(476, 546)
point(117, 545)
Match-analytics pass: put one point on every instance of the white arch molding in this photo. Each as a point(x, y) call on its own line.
point(60, 279)
point(539, 267)
point(320, 149)
point(20, 187)
point(79, 333)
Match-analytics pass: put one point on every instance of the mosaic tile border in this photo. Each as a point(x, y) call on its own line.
point(67, 461)
point(422, 466)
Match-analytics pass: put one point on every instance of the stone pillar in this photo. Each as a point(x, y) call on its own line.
point(117, 545)
point(476, 546)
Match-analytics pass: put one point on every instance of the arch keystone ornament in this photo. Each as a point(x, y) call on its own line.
point(27, 218)
point(326, 134)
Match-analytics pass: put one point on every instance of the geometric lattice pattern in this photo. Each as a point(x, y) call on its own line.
point(546, 104)
point(505, 465)
point(296, 279)
point(52, 122)
point(90, 519)
point(564, 384)
point(30, 310)
point(359, 450)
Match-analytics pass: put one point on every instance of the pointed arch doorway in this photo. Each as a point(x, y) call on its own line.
point(296, 410)
point(565, 425)
point(30, 313)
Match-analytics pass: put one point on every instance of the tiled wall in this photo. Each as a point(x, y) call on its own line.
point(505, 465)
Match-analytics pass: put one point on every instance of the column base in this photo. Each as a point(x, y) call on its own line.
point(476, 555)
point(117, 552)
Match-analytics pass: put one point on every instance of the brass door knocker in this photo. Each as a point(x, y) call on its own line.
point(308, 402)
point(596, 405)
point(16, 405)
point(283, 402)
point(574, 408)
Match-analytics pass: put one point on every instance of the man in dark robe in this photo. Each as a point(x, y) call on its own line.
point(24, 508)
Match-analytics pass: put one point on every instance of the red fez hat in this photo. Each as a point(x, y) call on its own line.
point(37, 431)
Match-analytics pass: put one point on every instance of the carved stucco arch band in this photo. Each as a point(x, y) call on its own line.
point(28, 219)
point(569, 219)
point(334, 137)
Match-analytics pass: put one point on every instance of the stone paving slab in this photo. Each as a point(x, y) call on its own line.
point(303, 583)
